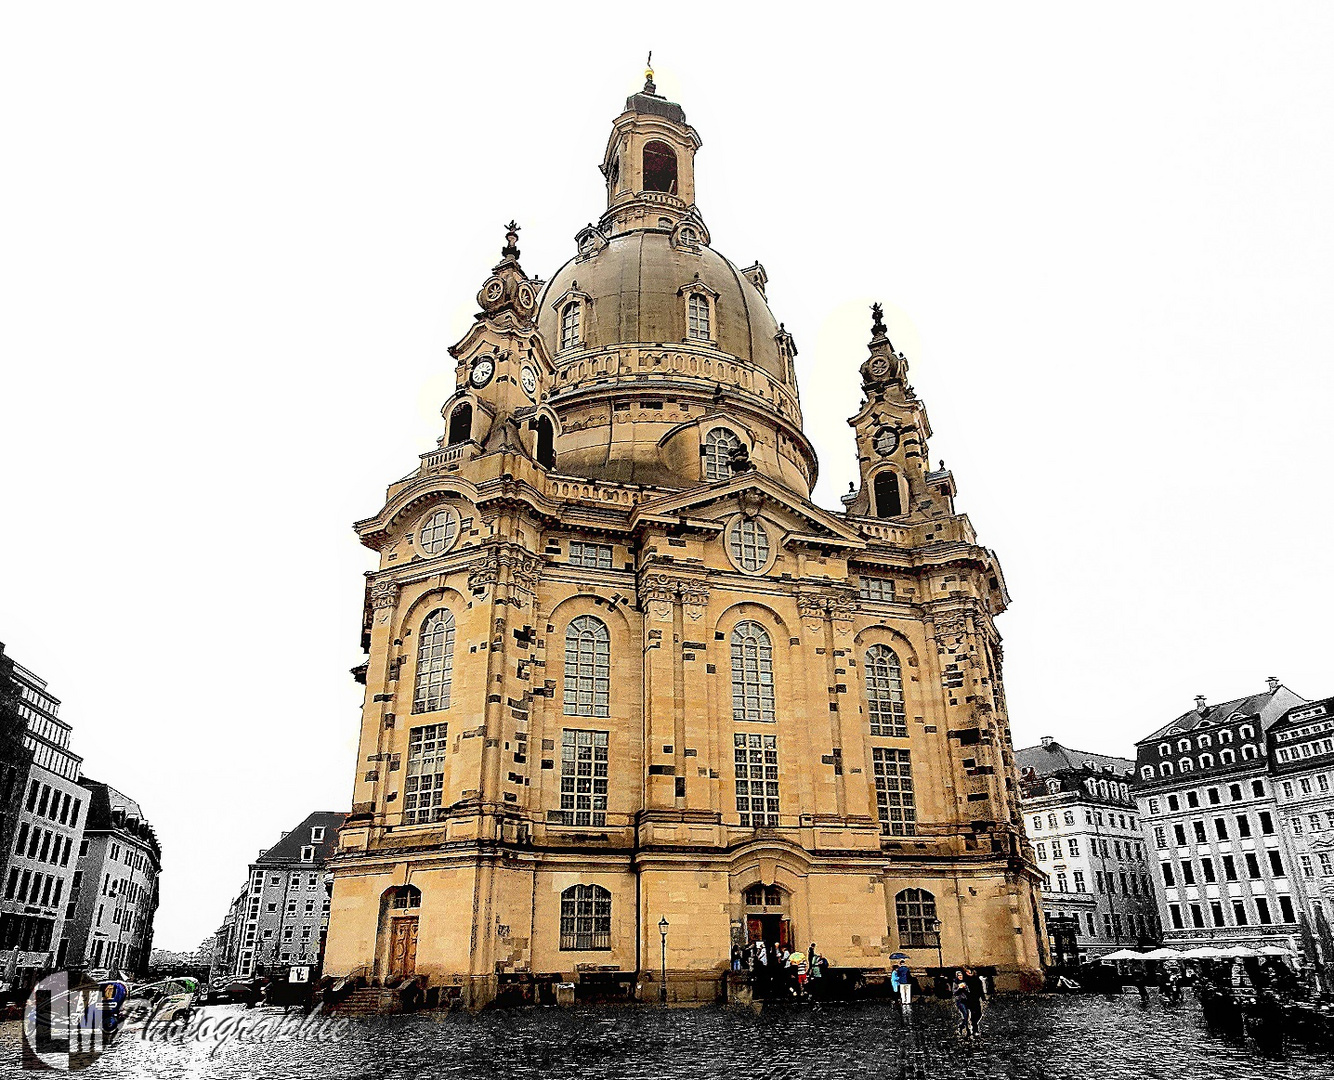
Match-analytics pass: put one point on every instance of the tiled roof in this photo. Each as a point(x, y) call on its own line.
point(288, 849)
point(1054, 758)
point(1236, 709)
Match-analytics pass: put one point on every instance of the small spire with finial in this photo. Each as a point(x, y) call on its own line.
point(511, 250)
point(649, 88)
point(878, 321)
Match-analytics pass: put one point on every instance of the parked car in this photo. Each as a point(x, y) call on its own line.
point(171, 999)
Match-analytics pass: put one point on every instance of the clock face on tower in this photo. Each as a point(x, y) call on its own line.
point(482, 371)
point(528, 380)
point(886, 441)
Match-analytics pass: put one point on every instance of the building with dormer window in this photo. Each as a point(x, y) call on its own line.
point(644, 677)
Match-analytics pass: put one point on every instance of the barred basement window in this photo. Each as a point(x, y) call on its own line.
point(583, 778)
point(916, 913)
point(752, 673)
point(435, 662)
point(438, 531)
point(698, 308)
point(756, 761)
point(884, 692)
point(750, 545)
point(569, 325)
point(587, 667)
point(585, 918)
point(872, 588)
point(718, 446)
point(424, 786)
point(894, 792)
point(595, 556)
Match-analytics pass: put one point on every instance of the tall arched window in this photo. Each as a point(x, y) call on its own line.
point(569, 325)
point(435, 662)
point(587, 667)
point(546, 444)
point(659, 167)
point(585, 918)
point(916, 912)
point(460, 424)
point(752, 673)
point(697, 308)
point(887, 501)
point(884, 692)
point(718, 446)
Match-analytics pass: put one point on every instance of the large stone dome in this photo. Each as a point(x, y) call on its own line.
point(634, 285)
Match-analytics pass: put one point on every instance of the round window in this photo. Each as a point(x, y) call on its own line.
point(438, 531)
point(750, 545)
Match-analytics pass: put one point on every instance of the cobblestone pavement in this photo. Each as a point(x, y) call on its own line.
point(1043, 1038)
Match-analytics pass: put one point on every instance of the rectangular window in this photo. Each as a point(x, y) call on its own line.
point(1169, 879)
point(894, 793)
point(1042, 852)
point(1262, 910)
point(1062, 882)
point(1073, 846)
point(1192, 799)
point(1216, 910)
point(1198, 827)
point(1173, 803)
point(584, 769)
point(756, 760)
point(1056, 850)
point(1175, 911)
point(1214, 797)
point(1276, 863)
point(871, 588)
point(1286, 914)
point(1308, 870)
point(1266, 823)
point(593, 556)
point(1179, 831)
point(1220, 827)
point(1239, 912)
point(424, 785)
point(1079, 881)
point(1326, 866)
point(1187, 873)
point(1229, 868)
point(1207, 865)
point(1243, 826)
point(1252, 866)
point(1196, 916)
point(1160, 836)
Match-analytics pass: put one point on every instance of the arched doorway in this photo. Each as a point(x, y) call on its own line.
point(767, 917)
point(400, 909)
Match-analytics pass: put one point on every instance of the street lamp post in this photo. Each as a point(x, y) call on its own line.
point(940, 956)
point(662, 990)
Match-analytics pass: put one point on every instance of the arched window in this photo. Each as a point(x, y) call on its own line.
point(884, 692)
point(916, 912)
point(1227, 757)
point(1206, 761)
point(763, 896)
point(697, 309)
point(689, 236)
point(546, 443)
point(569, 325)
point(1164, 749)
point(1204, 740)
point(402, 898)
point(460, 424)
point(659, 167)
point(887, 501)
point(1247, 752)
point(1224, 736)
point(1166, 768)
point(585, 918)
point(435, 662)
point(752, 673)
point(587, 667)
point(1185, 764)
point(718, 446)
point(1147, 772)
point(1183, 745)
point(1246, 732)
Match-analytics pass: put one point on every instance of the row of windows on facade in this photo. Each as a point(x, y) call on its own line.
point(1264, 915)
point(26, 933)
point(292, 881)
point(1138, 926)
point(60, 762)
point(43, 845)
point(587, 673)
point(43, 727)
point(1132, 883)
point(34, 887)
point(1312, 820)
point(57, 806)
point(1090, 817)
point(1214, 796)
point(1315, 748)
point(1209, 875)
point(1098, 845)
point(1307, 785)
point(1200, 832)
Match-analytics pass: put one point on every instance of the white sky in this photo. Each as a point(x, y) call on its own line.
point(237, 239)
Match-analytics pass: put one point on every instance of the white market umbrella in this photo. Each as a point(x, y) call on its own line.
point(1239, 952)
point(1122, 954)
point(1162, 954)
point(1274, 950)
point(1204, 952)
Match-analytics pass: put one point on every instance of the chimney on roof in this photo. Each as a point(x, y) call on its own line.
point(1047, 740)
point(1273, 683)
point(1199, 703)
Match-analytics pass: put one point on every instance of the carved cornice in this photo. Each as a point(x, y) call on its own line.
point(669, 588)
point(524, 568)
point(383, 593)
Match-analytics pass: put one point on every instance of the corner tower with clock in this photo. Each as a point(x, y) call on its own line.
point(504, 369)
point(621, 668)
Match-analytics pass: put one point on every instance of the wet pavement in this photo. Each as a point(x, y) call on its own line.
point(1038, 1037)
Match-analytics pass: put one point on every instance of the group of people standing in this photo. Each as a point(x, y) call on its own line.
point(776, 965)
point(969, 992)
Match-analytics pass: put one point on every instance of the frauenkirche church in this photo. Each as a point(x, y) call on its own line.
point(621, 669)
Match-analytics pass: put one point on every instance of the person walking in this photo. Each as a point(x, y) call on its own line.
point(901, 980)
point(977, 993)
point(961, 992)
point(815, 963)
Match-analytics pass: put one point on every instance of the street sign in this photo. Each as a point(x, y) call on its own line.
point(299, 974)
